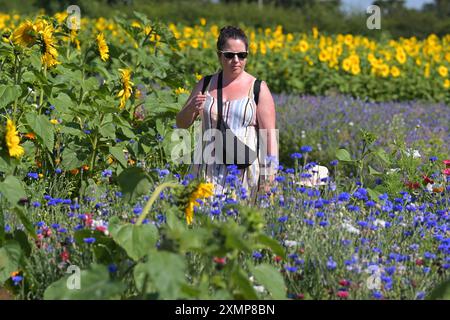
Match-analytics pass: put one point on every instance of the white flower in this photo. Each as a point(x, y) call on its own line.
point(413, 153)
point(351, 124)
point(429, 187)
point(259, 289)
point(395, 170)
point(348, 227)
point(317, 174)
point(290, 243)
point(379, 222)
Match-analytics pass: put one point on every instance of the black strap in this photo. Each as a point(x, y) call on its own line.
point(206, 81)
point(256, 89)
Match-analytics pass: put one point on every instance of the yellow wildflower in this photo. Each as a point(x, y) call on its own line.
point(204, 190)
point(443, 71)
point(54, 121)
point(13, 141)
point(180, 90)
point(127, 87)
point(395, 72)
point(102, 47)
point(447, 84)
point(23, 35)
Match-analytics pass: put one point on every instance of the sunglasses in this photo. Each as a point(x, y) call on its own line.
point(230, 55)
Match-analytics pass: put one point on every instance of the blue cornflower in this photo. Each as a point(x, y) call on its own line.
point(306, 149)
point(162, 173)
point(334, 163)
point(420, 295)
point(290, 170)
point(370, 203)
point(296, 155)
point(257, 255)
point(306, 175)
point(58, 170)
point(112, 268)
point(87, 131)
point(33, 175)
point(215, 212)
point(17, 280)
point(283, 219)
point(55, 225)
point(106, 173)
point(426, 269)
point(320, 214)
point(331, 265)
point(7, 228)
point(324, 223)
point(354, 208)
point(433, 158)
point(308, 222)
point(429, 255)
point(377, 295)
point(291, 269)
point(344, 196)
point(383, 196)
point(137, 209)
point(36, 204)
point(89, 240)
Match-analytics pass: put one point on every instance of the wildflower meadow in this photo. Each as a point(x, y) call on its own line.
point(93, 206)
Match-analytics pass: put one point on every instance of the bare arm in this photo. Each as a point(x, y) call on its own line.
point(192, 108)
point(266, 116)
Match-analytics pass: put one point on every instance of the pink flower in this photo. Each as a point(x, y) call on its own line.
point(446, 171)
point(447, 163)
point(342, 294)
point(344, 283)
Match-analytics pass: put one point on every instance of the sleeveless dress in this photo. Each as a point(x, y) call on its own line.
point(240, 116)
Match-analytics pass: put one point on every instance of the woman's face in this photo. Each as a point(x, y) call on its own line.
point(234, 65)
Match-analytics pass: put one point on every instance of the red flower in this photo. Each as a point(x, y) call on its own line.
point(419, 262)
point(447, 163)
point(301, 250)
point(88, 219)
point(446, 171)
point(300, 296)
point(65, 256)
point(412, 185)
point(101, 229)
point(46, 232)
point(277, 259)
point(427, 180)
point(344, 283)
point(342, 294)
point(220, 261)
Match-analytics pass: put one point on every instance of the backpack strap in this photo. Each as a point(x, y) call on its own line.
point(206, 81)
point(256, 89)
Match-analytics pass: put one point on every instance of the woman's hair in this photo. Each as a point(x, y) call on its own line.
point(231, 32)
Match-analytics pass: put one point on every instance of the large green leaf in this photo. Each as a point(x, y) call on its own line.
point(343, 155)
point(10, 255)
point(117, 152)
point(241, 281)
point(72, 159)
point(95, 284)
point(134, 183)
point(137, 240)
point(271, 279)
point(11, 188)
point(164, 272)
point(441, 292)
point(43, 129)
point(272, 244)
point(8, 94)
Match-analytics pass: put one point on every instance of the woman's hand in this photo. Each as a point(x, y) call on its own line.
point(197, 103)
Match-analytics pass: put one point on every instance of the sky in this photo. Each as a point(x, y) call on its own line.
point(363, 4)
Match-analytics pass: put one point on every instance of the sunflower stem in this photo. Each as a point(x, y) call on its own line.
point(153, 198)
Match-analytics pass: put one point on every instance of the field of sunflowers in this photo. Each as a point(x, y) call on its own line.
point(92, 206)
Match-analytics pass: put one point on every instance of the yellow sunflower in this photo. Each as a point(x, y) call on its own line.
point(204, 190)
point(127, 87)
point(12, 140)
point(102, 47)
point(23, 35)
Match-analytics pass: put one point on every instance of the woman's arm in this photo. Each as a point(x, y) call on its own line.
point(267, 120)
point(192, 107)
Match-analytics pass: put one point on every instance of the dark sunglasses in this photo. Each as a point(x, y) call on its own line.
point(230, 55)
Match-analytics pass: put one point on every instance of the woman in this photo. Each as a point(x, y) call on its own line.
point(240, 113)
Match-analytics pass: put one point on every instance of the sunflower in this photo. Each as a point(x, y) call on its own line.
point(102, 47)
point(127, 85)
point(204, 190)
point(443, 71)
point(23, 35)
point(395, 72)
point(13, 141)
point(48, 49)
